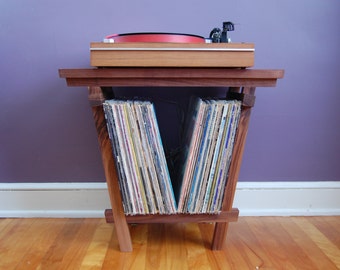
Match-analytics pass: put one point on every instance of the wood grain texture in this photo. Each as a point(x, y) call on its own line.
point(172, 54)
point(112, 179)
point(252, 243)
point(190, 77)
point(221, 229)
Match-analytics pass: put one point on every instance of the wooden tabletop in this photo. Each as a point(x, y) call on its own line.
point(146, 76)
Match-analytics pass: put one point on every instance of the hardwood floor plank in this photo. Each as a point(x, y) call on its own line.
point(280, 247)
point(327, 246)
point(243, 231)
point(155, 246)
point(295, 254)
point(99, 244)
point(243, 247)
point(175, 247)
point(114, 259)
point(80, 245)
point(12, 248)
point(43, 235)
point(309, 250)
point(5, 225)
point(330, 227)
point(252, 243)
point(217, 259)
point(196, 251)
point(266, 242)
point(56, 252)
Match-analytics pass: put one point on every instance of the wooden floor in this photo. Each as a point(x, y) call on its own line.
point(252, 243)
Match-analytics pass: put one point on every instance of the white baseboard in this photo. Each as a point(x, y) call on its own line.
point(288, 198)
point(91, 199)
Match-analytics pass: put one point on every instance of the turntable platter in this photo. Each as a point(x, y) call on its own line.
point(156, 37)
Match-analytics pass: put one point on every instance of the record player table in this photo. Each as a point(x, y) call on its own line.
point(241, 82)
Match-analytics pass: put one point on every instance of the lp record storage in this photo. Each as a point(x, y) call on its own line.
point(139, 183)
point(144, 177)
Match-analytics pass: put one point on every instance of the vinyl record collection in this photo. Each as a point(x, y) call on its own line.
point(211, 128)
point(143, 173)
point(144, 176)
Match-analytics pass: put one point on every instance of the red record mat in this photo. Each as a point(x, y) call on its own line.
point(156, 37)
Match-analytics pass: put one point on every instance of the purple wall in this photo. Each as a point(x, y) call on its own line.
point(46, 129)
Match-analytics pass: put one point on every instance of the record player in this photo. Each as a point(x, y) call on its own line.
point(156, 49)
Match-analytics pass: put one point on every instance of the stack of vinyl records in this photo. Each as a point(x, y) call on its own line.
point(144, 177)
point(137, 146)
point(211, 128)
